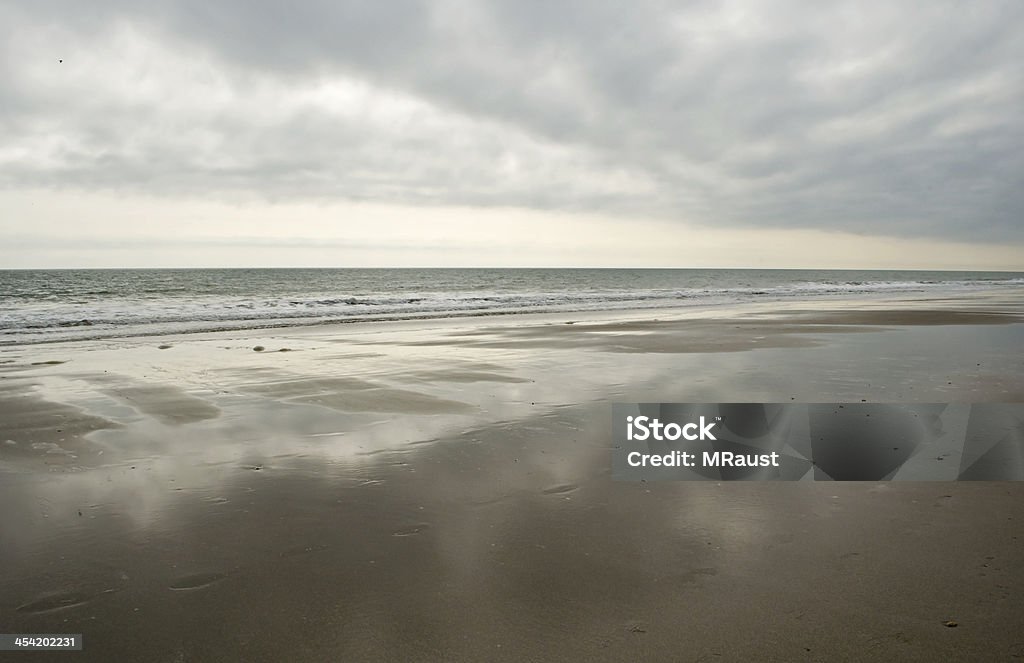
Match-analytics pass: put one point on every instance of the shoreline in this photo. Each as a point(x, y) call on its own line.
point(1009, 295)
point(1003, 299)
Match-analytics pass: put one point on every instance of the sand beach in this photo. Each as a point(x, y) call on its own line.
point(441, 490)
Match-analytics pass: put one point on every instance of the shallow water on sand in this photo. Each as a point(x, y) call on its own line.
point(444, 493)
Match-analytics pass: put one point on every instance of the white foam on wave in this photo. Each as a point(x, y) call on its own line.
point(47, 320)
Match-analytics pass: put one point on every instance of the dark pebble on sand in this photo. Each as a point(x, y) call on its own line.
point(259, 348)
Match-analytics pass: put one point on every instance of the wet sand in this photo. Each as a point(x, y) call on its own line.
point(440, 490)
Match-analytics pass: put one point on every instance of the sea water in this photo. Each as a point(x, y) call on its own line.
point(51, 305)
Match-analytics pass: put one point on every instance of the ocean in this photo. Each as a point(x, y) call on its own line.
point(39, 306)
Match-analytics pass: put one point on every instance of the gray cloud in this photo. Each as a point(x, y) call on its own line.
point(891, 118)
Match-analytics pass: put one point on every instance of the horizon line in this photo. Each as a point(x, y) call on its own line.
point(480, 267)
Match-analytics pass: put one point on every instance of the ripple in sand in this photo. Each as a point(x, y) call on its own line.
point(60, 601)
point(561, 489)
point(196, 581)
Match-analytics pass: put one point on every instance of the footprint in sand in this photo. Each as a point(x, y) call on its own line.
point(60, 601)
point(411, 530)
point(561, 489)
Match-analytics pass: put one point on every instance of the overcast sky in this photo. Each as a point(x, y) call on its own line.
point(445, 132)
